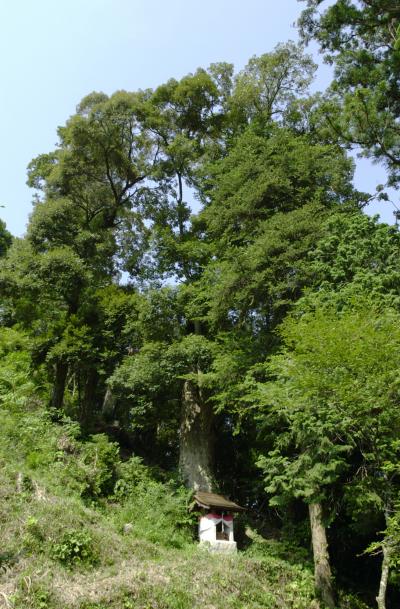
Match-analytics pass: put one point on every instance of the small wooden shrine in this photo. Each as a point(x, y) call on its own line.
point(216, 521)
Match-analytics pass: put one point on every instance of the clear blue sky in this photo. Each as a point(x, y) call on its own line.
point(53, 52)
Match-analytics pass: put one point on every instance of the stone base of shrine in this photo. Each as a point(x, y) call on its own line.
point(219, 545)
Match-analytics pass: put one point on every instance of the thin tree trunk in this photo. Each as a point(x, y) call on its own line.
point(381, 598)
point(57, 396)
point(385, 568)
point(322, 569)
point(108, 407)
point(196, 440)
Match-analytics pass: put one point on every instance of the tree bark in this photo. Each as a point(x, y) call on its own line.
point(381, 598)
point(386, 550)
point(196, 440)
point(57, 396)
point(322, 569)
point(108, 407)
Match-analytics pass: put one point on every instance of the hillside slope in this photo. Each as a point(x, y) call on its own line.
point(58, 553)
point(82, 529)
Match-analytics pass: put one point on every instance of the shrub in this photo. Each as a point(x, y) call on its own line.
point(89, 468)
point(75, 547)
point(100, 458)
point(131, 474)
point(158, 513)
point(33, 538)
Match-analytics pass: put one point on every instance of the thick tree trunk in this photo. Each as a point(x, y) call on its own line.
point(60, 379)
point(322, 569)
point(381, 598)
point(196, 440)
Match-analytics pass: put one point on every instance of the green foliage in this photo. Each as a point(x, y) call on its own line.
point(269, 84)
point(270, 172)
point(23, 421)
point(148, 386)
point(16, 384)
point(87, 468)
point(156, 511)
point(389, 541)
point(5, 239)
point(53, 224)
point(94, 367)
point(356, 256)
point(282, 549)
point(75, 548)
point(34, 538)
point(99, 459)
point(333, 394)
point(33, 596)
point(50, 532)
point(131, 474)
point(360, 39)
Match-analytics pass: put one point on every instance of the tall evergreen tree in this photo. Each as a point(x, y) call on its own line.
point(362, 40)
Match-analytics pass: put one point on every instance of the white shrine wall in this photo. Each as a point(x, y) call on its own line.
point(208, 532)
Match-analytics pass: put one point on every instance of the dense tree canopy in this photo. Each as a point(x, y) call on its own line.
point(362, 40)
point(252, 346)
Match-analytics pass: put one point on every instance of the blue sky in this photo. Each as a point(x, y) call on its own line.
point(55, 52)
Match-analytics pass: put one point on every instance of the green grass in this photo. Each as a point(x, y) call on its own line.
point(124, 571)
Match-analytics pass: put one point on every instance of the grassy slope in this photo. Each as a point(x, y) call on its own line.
point(63, 507)
point(127, 570)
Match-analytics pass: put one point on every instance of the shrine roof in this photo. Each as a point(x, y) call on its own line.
point(212, 500)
